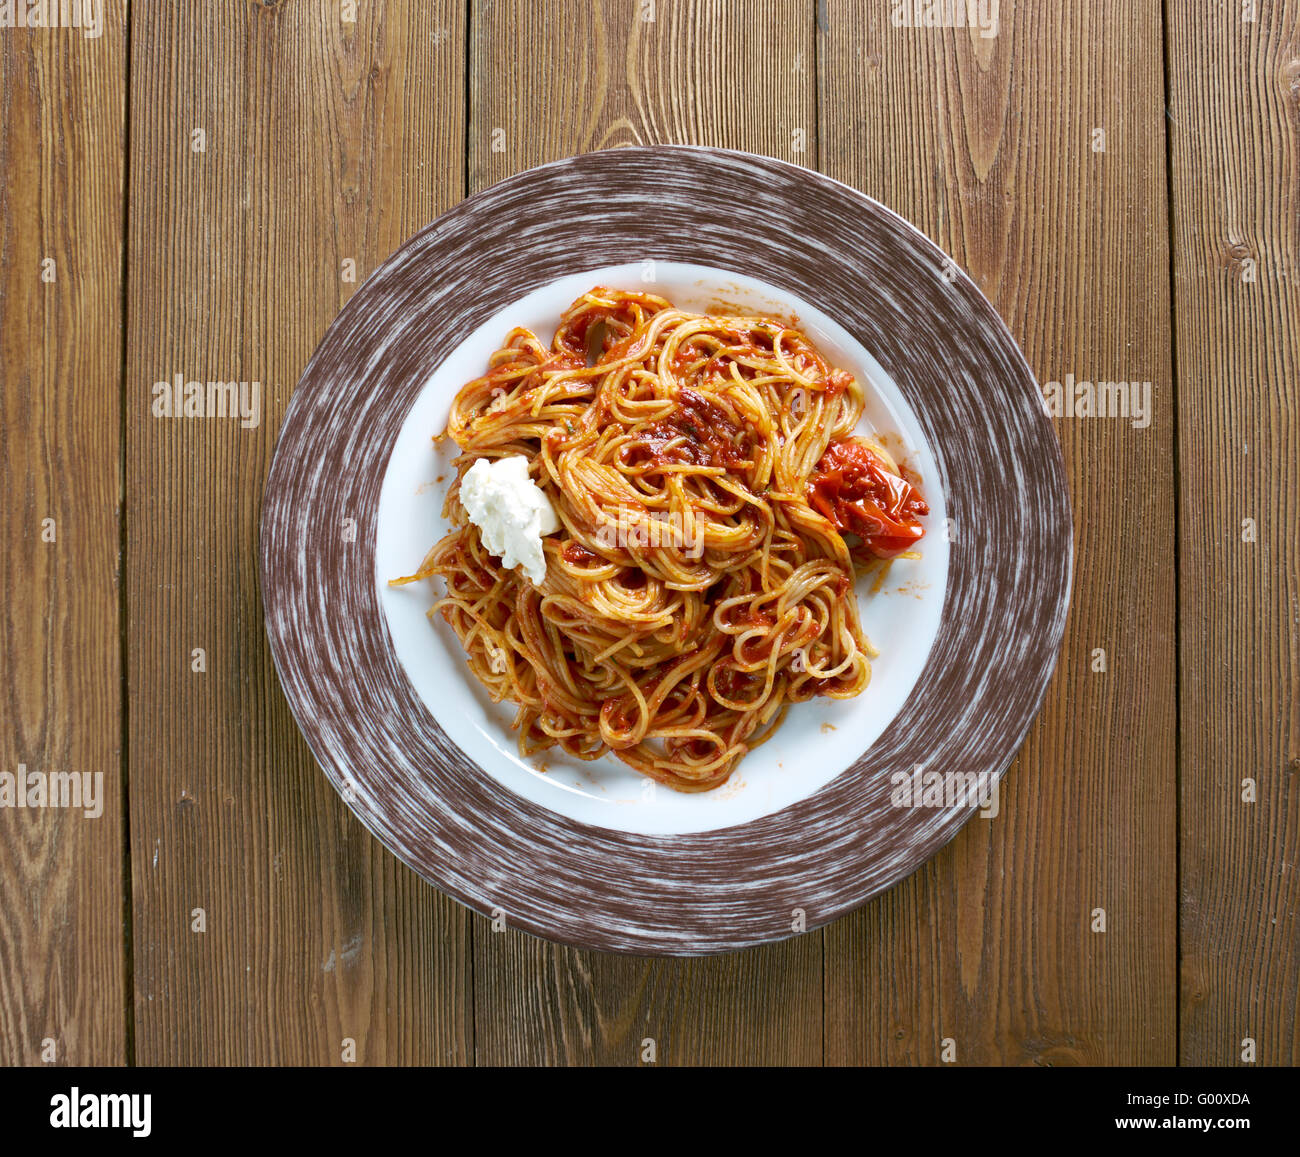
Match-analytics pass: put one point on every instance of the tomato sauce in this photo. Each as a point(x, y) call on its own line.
point(855, 490)
point(575, 554)
point(702, 433)
point(733, 684)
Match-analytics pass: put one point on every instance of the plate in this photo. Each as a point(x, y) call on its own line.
point(849, 797)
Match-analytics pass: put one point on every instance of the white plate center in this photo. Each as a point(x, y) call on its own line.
point(817, 741)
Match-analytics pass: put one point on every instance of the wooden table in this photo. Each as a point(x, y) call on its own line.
point(198, 190)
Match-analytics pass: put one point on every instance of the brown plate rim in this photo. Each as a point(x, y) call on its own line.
point(1004, 612)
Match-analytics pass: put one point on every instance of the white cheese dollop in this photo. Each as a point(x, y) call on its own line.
point(511, 512)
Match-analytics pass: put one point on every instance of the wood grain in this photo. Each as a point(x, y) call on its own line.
point(987, 144)
point(1234, 126)
point(329, 141)
point(324, 142)
point(62, 952)
point(548, 82)
point(553, 80)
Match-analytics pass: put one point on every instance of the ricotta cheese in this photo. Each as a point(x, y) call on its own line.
point(511, 512)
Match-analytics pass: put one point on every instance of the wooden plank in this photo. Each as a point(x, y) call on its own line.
point(989, 144)
point(1234, 128)
point(62, 117)
point(323, 142)
point(547, 82)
